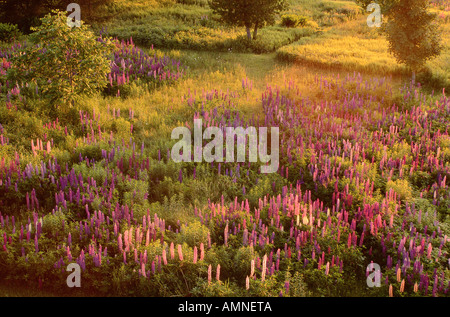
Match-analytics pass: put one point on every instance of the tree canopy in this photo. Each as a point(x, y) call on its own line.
point(63, 61)
point(411, 30)
point(249, 13)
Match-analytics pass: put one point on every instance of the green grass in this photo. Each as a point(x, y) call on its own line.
point(353, 46)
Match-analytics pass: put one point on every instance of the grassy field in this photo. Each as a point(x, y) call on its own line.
point(364, 160)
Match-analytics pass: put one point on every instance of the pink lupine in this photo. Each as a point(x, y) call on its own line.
point(218, 272)
point(119, 242)
point(195, 254)
point(264, 268)
point(430, 248)
point(226, 234)
point(209, 274)
point(172, 251)
point(164, 257)
point(180, 252)
point(202, 251)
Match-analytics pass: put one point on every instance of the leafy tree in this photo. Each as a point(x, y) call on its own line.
point(248, 13)
point(411, 30)
point(64, 62)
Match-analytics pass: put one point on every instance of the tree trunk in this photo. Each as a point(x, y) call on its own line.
point(249, 33)
point(414, 77)
point(255, 33)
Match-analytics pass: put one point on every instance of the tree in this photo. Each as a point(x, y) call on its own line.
point(411, 30)
point(248, 13)
point(63, 62)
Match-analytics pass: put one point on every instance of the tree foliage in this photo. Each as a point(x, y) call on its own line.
point(411, 30)
point(248, 13)
point(63, 62)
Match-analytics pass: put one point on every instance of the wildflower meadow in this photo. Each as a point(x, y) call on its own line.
point(361, 180)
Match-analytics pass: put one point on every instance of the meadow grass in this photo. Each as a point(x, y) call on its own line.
point(353, 46)
point(172, 24)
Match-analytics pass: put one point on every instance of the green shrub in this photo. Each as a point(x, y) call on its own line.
point(45, 61)
point(9, 32)
point(293, 20)
point(193, 234)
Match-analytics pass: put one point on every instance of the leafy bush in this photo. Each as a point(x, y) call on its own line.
point(9, 32)
point(63, 62)
point(293, 20)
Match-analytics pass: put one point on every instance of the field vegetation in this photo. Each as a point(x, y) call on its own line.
point(364, 159)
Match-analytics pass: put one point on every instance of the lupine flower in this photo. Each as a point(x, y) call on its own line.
point(218, 272)
point(402, 286)
point(264, 268)
point(209, 274)
point(252, 267)
point(180, 252)
point(195, 255)
point(172, 251)
point(202, 251)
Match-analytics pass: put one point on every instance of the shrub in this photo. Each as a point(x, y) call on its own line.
point(9, 32)
point(293, 20)
point(193, 234)
point(401, 187)
point(64, 62)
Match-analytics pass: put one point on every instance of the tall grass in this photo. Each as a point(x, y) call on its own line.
point(354, 46)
